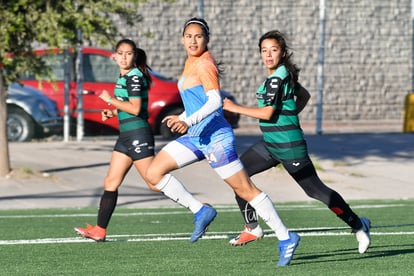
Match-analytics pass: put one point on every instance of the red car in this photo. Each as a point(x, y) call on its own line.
point(100, 73)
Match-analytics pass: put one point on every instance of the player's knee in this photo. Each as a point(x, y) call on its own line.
point(246, 192)
point(111, 184)
point(153, 187)
point(152, 176)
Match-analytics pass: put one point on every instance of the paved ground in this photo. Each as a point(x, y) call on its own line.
point(58, 174)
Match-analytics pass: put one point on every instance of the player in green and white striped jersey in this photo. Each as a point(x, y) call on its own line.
point(280, 99)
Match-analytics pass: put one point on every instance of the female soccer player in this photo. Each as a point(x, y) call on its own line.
point(135, 144)
point(280, 99)
point(209, 137)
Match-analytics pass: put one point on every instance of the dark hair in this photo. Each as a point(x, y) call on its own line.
point(140, 58)
point(286, 54)
point(199, 21)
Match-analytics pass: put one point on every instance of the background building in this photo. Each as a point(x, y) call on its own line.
point(367, 61)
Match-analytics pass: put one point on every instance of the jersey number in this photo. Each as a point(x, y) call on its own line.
point(211, 158)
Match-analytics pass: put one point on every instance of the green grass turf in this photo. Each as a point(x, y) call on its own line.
point(155, 242)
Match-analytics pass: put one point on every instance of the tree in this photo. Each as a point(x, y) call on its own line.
point(54, 23)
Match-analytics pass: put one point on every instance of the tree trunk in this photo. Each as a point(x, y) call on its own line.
point(4, 145)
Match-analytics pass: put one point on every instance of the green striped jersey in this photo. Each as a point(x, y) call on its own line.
point(129, 86)
point(282, 132)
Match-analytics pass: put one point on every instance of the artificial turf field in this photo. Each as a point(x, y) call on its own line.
point(155, 242)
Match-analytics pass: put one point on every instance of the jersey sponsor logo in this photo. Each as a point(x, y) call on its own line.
point(135, 87)
point(135, 78)
point(274, 83)
point(137, 145)
point(136, 83)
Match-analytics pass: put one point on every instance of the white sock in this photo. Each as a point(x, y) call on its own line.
point(267, 211)
point(173, 189)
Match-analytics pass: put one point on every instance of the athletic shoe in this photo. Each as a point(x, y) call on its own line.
point(248, 235)
point(363, 236)
point(95, 233)
point(83, 231)
point(287, 248)
point(202, 220)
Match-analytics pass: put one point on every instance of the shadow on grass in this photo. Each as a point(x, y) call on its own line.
point(351, 254)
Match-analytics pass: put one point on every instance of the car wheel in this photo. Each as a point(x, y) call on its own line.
point(20, 126)
point(164, 129)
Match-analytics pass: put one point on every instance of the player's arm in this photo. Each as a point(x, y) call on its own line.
point(181, 123)
point(271, 97)
point(209, 80)
point(132, 106)
point(134, 85)
point(264, 113)
point(212, 104)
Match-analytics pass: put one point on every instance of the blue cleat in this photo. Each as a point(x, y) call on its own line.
point(202, 220)
point(287, 248)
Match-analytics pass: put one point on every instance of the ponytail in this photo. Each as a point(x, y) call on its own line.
point(141, 64)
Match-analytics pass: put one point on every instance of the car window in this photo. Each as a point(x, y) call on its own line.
point(56, 63)
point(98, 68)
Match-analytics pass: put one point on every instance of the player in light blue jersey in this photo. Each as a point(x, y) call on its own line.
point(210, 137)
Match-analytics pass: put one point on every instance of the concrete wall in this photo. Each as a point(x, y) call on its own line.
point(368, 48)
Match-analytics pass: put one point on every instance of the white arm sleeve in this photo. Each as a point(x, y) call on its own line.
point(213, 103)
point(182, 116)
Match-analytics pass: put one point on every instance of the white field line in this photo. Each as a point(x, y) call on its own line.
point(223, 209)
point(185, 236)
point(181, 236)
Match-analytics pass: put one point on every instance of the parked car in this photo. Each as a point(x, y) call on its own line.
point(30, 114)
point(100, 73)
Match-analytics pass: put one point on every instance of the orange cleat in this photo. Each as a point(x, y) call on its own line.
point(248, 235)
point(95, 233)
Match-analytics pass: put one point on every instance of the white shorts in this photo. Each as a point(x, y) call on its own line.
point(184, 151)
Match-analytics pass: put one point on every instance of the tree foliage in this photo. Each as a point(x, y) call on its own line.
point(25, 24)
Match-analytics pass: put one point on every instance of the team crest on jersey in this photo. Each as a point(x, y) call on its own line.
point(136, 145)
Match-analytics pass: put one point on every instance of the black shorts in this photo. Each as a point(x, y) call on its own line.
point(137, 145)
point(258, 158)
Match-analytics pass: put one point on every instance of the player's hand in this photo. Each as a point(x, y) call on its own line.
point(170, 120)
point(228, 105)
point(179, 127)
point(175, 125)
point(107, 114)
point(105, 95)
